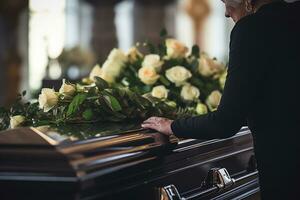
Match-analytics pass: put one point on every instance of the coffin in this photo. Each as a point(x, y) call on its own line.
point(121, 161)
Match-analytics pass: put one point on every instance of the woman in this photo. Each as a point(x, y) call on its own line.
point(262, 88)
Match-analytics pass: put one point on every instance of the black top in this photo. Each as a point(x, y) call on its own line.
point(262, 88)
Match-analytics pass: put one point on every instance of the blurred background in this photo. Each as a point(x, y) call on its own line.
point(43, 41)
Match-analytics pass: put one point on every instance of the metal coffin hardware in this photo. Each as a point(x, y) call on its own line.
point(217, 179)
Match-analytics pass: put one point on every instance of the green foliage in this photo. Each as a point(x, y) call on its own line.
point(76, 102)
point(4, 118)
point(205, 84)
point(164, 80)
point(88, 114)
point(113, 103)
point(100, 83)
point(195, 51)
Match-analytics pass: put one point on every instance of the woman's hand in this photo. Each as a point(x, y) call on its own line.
point(160, 124)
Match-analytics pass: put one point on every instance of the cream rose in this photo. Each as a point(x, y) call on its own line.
point(189, 92)
point(67, 90)
point(208, 67)
point(113, 66)
point(108, 77)
point(16, 121)
point(47, 99)
point(213, 100)
point(160, 92)
point(178, 75)
point(117, 55)
point(201, 109)
point(152, 60)
point(175, 49)
point(148, 75)
point(96, 72)
point(134, 54)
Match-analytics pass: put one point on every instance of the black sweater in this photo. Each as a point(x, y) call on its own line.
point(262, 88)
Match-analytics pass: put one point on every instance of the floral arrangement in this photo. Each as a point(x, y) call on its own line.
point(77, 103)
point(168, 81)
point(167, 71)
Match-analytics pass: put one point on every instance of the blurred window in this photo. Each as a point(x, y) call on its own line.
point(46, 36)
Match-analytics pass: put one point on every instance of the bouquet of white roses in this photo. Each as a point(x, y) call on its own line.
point(168, 82)
point(167, 71)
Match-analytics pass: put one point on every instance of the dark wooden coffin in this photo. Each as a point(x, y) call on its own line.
point(84, 162)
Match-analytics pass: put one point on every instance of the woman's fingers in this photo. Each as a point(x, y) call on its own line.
point(149, 125)
point(162, 125)
point(151, 120)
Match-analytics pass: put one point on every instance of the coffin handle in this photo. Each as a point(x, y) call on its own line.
point(217, 179)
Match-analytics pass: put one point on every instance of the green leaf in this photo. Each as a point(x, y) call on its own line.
point(42, 123)
point(76, 102)
point(92, 91)
point(195, 51)
point(195, 65)
point(146, 89)
point(101, 83)
point(24, 93)
point(88, 114)
point(162, 50)
point(197, 82)
point(114, 103)
point(164, 81)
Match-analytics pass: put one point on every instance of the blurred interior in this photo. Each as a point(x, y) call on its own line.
point(43, 41)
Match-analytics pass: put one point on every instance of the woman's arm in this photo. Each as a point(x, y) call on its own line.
point(245, 77)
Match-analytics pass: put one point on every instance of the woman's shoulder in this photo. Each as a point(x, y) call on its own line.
point(265, 16)
point(246, 26)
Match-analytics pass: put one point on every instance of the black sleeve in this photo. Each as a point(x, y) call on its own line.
point(243, 79)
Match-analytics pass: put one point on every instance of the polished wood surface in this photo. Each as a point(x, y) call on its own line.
point(132, 165)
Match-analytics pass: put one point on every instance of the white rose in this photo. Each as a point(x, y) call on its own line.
point(148, 75)
point(213, 100)
point(96, 71)
point(16, 121)
point(113, 66)
point(208, 67)
point(67, 89)
point(107, 77)
point(178, 75)
point(134, 54)
point(47, 99)
point(152, 60)
point(201, 109)
point(117, 55)
point(189, 92)
point(222, 79)
point(160, 92)
point(175, 49)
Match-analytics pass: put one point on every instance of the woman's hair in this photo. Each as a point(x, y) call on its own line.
point(236, 3)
